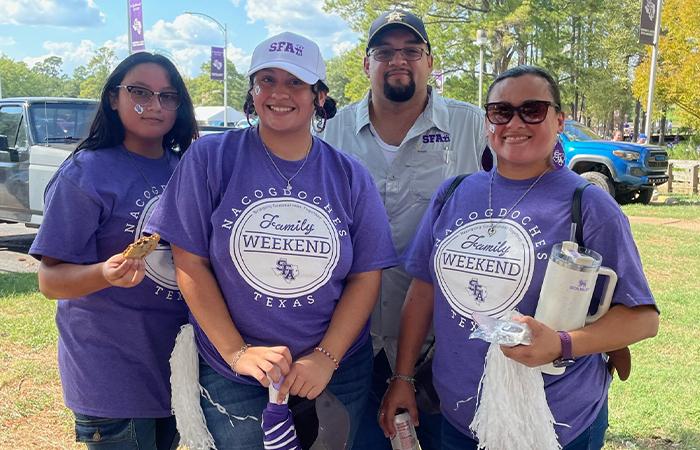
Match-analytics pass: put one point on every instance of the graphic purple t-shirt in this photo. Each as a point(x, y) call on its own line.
point(280, 256)
point(114, 345)
point(473, 271)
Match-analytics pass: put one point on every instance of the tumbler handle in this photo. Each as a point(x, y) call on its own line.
point(606, 297)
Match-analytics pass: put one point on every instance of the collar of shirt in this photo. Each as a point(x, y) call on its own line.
point(434, 115)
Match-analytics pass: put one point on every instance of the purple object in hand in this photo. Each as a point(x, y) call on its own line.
point(278, 428)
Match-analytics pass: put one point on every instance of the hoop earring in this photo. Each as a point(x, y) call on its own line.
point(558, 155)
point(319, 123)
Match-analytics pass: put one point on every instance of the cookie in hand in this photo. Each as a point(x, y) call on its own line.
point(142, 247)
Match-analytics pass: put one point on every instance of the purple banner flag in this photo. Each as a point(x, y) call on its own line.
point(217, 63)
point(647, 23)
point(136, 31)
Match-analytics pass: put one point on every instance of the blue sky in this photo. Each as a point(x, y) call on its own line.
point(31, 30)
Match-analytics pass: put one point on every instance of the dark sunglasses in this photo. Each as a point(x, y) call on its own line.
point(530, 112)
point(143, 96)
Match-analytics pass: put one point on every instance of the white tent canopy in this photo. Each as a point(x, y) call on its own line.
point(214, 115)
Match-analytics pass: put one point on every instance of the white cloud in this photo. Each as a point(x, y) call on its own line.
point(60, 13)
point(7, 41)
point(305, 17)
point(72, 54)
point(188, 40)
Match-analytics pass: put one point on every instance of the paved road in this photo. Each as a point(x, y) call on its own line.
point(15, 240)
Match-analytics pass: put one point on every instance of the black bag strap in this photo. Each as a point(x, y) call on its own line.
point(448, 193)
point(452, 188)
point(576, 216)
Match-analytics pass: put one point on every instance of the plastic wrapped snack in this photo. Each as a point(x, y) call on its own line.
point(501, 331)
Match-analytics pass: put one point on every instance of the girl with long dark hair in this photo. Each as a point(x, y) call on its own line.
point(118, 317)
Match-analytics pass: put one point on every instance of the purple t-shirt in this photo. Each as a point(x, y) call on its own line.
point(114, 344)
point(474, 271)
point(280, 257)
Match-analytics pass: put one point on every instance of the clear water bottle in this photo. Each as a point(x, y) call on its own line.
point(405, 437)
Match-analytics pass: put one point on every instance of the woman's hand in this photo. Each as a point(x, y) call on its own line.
point(309, 376)
point(545, 347)
point(123, 272)
point(263, 362)
point(400, 395)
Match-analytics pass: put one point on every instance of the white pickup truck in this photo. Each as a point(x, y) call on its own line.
point(36, 135)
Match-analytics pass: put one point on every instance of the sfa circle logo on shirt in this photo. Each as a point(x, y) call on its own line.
point(285, 247)
point(480, 272)
point(159, 264)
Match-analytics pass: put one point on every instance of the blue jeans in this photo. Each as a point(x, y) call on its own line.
point(592, 438)
point(371, 436)
point(240, 429)
point(100, 433)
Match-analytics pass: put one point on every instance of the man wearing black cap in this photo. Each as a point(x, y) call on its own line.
point(411, 139)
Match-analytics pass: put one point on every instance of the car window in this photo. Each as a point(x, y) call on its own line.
point(578, 132)
point(10, 120)
point(60, 122)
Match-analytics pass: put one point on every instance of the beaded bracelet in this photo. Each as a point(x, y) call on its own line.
point(329, 355)
point(406, 378)
point(238, 355)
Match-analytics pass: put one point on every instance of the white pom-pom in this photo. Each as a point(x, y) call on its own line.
point(512, 411)
point(184, 381)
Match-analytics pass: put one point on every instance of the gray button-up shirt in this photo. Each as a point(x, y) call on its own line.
point(447, 139)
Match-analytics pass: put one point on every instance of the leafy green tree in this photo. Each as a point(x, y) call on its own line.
point(94, 75)
point(678, 68)
point(587, 45)
point(207, 92)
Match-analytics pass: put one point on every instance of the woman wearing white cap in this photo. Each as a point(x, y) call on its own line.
point(265, 226)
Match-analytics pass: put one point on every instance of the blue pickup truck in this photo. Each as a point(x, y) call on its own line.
point(629, 172)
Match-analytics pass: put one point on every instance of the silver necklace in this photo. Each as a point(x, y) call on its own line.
point(138, 169)
point(288, 180)
point(492, 228)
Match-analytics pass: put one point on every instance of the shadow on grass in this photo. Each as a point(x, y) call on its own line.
point(684, 440)
point(18, 283)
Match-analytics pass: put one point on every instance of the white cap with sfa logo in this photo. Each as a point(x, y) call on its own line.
point(288, 51)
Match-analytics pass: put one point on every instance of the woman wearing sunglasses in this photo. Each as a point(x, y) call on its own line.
point(118, 317)
point(486, 249)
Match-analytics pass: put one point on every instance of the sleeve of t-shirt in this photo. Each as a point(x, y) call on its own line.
point(183, 214)
point(416, 258)
point(68, 230)
point(373, 248)
point(607, 231)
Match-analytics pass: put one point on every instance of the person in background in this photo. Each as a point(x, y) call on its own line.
point(496, 232)
point(617, 136)
point(279, 241)
point(117, 318)
point(411, 139)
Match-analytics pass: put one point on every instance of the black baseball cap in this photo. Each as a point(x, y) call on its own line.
point(397, 18)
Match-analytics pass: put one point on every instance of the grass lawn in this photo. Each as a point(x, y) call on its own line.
point(657, 408)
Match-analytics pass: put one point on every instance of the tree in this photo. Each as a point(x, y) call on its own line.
point(95, 74)
point(50, 79)
point(678, 66)
point(207, 92)
point(587, 45)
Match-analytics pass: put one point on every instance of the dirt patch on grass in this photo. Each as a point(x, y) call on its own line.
point(692, 225)
point(32, 414)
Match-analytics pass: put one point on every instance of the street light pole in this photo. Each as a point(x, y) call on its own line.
point(481, 40)
point(652, 74)
point(223, 29)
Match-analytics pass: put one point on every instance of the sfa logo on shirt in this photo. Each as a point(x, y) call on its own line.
point(285, 247)
point(436, 137)
point(288, 47)
point(482, 272)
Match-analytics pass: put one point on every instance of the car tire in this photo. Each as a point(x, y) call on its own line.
point(645, 196)
point(601, 180)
